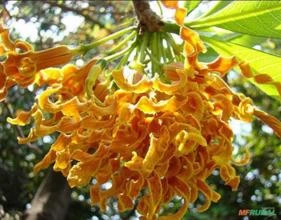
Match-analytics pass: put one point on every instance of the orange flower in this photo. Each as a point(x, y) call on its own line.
point(193, 44)
point(23, 64)
point(22, 68)
point(170, 4)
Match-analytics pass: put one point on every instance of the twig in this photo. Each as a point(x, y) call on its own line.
point(76, 11)
point(5, 12)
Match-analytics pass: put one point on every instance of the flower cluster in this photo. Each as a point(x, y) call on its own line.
point(152, 138)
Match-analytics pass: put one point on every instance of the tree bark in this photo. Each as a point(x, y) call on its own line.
point(148, 19)
point(51, 200)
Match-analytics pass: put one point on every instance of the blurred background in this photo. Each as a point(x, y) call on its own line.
point(45, 24)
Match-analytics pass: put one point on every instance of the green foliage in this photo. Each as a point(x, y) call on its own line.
point(255, 18)
point(191, 5)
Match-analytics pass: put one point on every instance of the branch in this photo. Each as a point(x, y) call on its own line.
point(148, 19)
point(51, 200)
point(76, 11)
point(5, 14)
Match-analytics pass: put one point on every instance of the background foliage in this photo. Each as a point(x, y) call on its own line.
point(260, 180)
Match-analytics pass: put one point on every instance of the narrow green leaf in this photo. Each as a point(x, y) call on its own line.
point(248, 40)
point(191, 5)
point(216, 7)
point(259, 61)
point(259, 18)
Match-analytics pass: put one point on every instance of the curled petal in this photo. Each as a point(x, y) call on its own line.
point(92, 123)
point(61, 143)
point(205, 189)
point(188, 141)
point(48, 159)
point(67, 125)
point(156, 150)
point(194, 45)
point(49, 76)
point(244, 161)
point(135, 186)
point(227, 174)
point(246, 110)
point(155, 193)
point(209, 194)
point(187, 170)
point(263, 78)
point(2, 77)
point(103, 110)
point(183, 190)
point(23, 118)
point(71, 108)
point(95, 194)
point(135, 163)
point(140, 87)
point(222, 158)
point(223, 103)
point(225, 131)
point(149, 107)
point(22, 45)
point(194, 105)
point(124, 203)
point(246, 69)
point(174, 86)
point(222, 65)
point(234, 183)
point(171, 70)
point(180, 15)
point(81, 173)
point(44, 102)
point(62, 160)
point(170, 4)
point(174, 167)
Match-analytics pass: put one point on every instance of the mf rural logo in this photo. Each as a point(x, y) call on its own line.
point(266, 211)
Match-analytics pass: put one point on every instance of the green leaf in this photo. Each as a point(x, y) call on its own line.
point(248, 40)
point(259, 61)
point(216, 7)
point(191, 5)
point(259, 18)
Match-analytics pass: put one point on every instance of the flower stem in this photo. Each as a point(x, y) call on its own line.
point(126, 57)
point(123, 42)
point(142, 54)
point(117, 55)
point(121, 53)
point(170, 28)
point(85, 48)
point(172, 43)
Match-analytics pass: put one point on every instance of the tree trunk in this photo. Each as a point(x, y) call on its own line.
point(51, 200)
